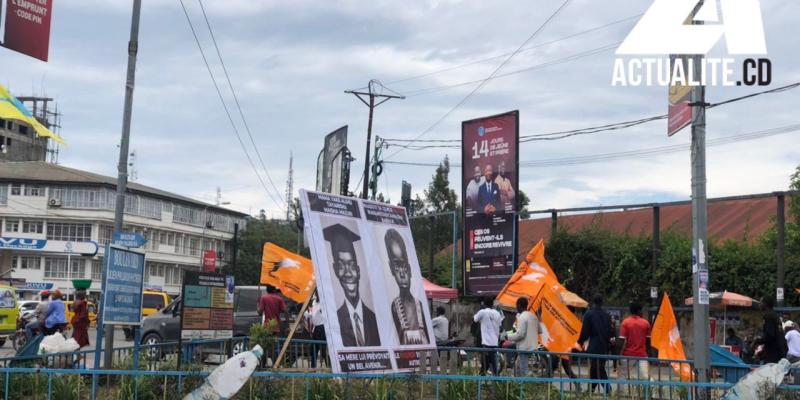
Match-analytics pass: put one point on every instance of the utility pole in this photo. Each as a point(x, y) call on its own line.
point(122, 167)
point(368, 98)
point(700, 279)
point(779, 251)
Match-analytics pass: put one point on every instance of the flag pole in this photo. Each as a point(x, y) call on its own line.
point(300, 316)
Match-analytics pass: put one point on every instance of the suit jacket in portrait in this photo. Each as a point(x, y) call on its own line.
point(371, 335)
point(492, 197)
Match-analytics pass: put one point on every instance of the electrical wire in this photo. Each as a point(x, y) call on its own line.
point(583, 131)
point(488, 78)
point(455, 67)
point(236, 100)
point(639, 153)
point(225, 107)
point(583, 54)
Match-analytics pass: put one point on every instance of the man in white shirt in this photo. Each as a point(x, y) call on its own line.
point(793, 343)
point(316, 325)
point(472, 189)
point(440, 327)
point(490, 320)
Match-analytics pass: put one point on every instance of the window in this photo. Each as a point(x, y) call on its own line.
point(31, 263)
point(55, 268)
point(162, 238)
point(97, 270)
point(16, 188)
point(34, 190)
point(8, 142)
point(3, 193)
point(153, 301)
point(170, 239)
point(32, 227)
point(106, 234)
point(77, 197)
point(78, 270)
point(23, 129)
point(14, 261)
point(173, 276)
point(246, 300)
point(70, 232)
point(12, 225)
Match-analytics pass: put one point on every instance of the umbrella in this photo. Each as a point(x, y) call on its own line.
point(724, 300)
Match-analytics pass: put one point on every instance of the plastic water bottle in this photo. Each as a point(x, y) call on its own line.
point(226, 380)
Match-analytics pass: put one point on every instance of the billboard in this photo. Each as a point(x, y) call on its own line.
point(207, 306)
point(376, 313)
point(490, 182)
point(123, 285)
point(679, 113)
point(209, 261)
point(329, 163)
point(28, 27)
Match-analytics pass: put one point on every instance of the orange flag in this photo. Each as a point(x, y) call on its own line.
point(531, 276)
point(560, 328)
point(292, 273)
point(666, 338)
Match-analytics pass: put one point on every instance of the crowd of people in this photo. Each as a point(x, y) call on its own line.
point(50, 316)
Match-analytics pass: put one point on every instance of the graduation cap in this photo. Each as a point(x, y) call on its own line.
point(341, 239)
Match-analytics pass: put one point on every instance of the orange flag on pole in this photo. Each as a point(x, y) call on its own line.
point(560, 328)
point(531, 276)
point(291, 273)
point(666, 338)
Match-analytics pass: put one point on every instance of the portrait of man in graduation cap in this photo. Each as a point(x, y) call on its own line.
point(356, 321)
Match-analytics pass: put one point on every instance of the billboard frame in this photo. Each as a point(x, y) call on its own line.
point(464, 232)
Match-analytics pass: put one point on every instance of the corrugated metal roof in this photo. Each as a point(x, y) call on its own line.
point(44, 172)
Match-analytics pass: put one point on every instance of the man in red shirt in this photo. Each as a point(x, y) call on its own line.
point(270, 306)
point(635, 330)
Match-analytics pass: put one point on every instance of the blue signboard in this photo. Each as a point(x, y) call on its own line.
point(38, 285)
point(122, 287)
point(129, 239)
point(49, 246)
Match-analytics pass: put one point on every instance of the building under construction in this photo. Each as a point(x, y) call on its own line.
point(19, 141)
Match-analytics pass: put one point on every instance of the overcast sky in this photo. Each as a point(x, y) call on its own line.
point(290, 62)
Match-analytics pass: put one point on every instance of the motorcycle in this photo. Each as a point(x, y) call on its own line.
point(20, 338)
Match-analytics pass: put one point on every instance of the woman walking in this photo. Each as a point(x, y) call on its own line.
point(80, 321)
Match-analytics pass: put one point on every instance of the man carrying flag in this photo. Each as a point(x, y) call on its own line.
point(666, 338)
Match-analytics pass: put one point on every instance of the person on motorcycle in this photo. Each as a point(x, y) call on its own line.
point(39, 315)
point(56, 314)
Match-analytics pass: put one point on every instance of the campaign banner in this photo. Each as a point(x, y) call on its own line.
point(28, 27)
point(207, 306)
point(489, 160)
point(123, 285)
point(377, 318)
point(209, 261)
point(329, 163)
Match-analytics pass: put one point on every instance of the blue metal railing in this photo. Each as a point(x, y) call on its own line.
point(158, 363)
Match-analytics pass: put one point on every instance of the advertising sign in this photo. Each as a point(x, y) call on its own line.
point(377, 318)
point(679, 114)
point(123, 286)
point(490, 183)
point(329, 174)
point(28, 27)
point(207, 307)
point(209, 261)
point(128, 239)
point(49, 246)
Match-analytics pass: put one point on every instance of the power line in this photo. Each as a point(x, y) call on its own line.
point(639, 153)
point(236, 98)
point(583, 131)
point(488, 78)
point(448, 69)
point(224, 105)
point(584, 54)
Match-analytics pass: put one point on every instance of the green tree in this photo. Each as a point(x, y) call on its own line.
point(258, 232)
point(523, 201)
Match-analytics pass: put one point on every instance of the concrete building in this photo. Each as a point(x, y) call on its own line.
point(69, 209)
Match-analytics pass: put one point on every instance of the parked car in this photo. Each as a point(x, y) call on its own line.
point(153, 301)
point(164, 326)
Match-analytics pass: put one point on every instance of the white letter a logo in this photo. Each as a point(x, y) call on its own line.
point(665, 28)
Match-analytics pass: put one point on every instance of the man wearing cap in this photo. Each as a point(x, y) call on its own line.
point(357, 323)
point(407, 311)
point(37, 322)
